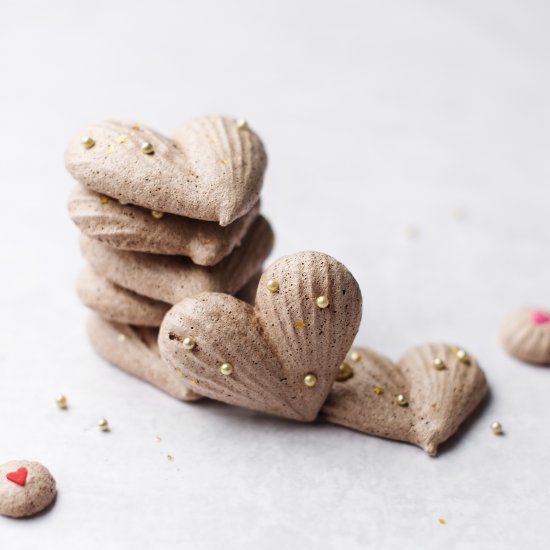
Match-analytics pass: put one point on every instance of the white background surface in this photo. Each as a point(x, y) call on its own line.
point(379, 118)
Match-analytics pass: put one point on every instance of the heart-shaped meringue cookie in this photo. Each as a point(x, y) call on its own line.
point(171, 278)
point(279, 357)
point(129, 227)
point(211, 170)
point(422, 399)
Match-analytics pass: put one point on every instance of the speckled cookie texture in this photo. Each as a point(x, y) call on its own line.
point(211, 170)
point(279, 357)
point(422, 399)
point(134, 228)
point(135, 350)
point(26, 488)
point(525, 334)
point(118, 305)
point(171, 278)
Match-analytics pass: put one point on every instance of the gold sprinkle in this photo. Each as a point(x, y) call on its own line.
point(147, 148)
point(242, 124)
point(136, 126)
point(497, 428)
point(402, 400)
point(378, 390)
point(453, 349)
point(355, 356)
point(195, 382)
point(438, 363)
point(121, 337)
point(178, 372)
point(223, 161)
point(103, 199)
point(435, 406)
point(272, 285)
point(157, 215)
point(459, 214)
point(345, 372)
point(170, 458)
point(122, 138)
point(189, 343)
point(310, 380)
point(157, 439)
point(226, 369)
point(442, 521)
point(300, 323)
point(206, 241)
point(61, 401)
point(322, 302)
point(463, 356)
point(103, 424)
point(411, 232)
point(87, 142)
point(109, 149)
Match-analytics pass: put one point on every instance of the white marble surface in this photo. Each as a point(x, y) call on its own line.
point(380, 118)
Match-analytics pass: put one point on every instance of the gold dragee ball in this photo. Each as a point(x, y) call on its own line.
point(147, 148)
point(322, 302)
point(310, 380)
point(462, 356)
point(61, 401)
point(497, 428)
point(103, 424)
point(87, 142)
point(273, 285)
point(438, 363)
point(345, 372)
point(226, 369)
point(157, 215)
point(402, 401)
point(188, 343)
point(242, 124)
point(355, 356)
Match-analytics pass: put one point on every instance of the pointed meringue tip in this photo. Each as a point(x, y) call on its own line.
point(430, 448)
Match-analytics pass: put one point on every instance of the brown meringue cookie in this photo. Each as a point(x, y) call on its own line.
point(131, 227)
point(118, 305)
point(212, 170)
point(171, 278)
point(279, 357)
point(135, 350)
point(525, 334)
point(26, 488)
point(419, 400)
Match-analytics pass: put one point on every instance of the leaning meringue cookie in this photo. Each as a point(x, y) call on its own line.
point(525, 334)
point(421, 399)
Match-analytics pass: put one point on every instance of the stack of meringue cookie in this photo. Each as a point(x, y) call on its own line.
point(163, 219)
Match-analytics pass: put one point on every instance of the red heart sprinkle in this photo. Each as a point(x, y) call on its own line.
point(19, 476)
